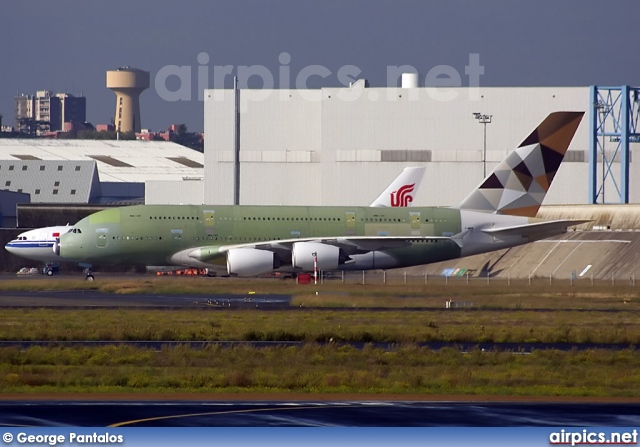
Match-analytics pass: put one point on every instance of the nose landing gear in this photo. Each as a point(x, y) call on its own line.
point(88, 275)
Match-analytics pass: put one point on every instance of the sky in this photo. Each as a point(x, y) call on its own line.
point(68, 45)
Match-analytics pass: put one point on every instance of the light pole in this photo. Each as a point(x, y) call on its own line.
point(483, 119)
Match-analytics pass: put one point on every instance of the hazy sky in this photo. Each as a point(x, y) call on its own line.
point(67, 45)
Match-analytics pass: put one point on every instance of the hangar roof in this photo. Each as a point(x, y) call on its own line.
point(117, 161)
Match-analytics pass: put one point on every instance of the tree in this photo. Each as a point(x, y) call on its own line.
point(191, 140)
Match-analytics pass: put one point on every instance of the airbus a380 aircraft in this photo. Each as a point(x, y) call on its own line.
point(255, 240)
point(37, 244)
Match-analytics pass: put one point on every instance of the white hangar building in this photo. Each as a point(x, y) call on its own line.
point(343, 146)
point(96, 171)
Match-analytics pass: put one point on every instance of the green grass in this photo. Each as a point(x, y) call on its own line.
point(359, 325)
point(320, 369)
point(515, 313)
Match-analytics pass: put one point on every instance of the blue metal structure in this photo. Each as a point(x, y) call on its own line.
point(613, 125)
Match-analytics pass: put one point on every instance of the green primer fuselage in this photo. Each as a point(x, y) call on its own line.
point(165, 234)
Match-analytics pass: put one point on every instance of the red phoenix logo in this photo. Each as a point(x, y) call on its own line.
point(402, 197)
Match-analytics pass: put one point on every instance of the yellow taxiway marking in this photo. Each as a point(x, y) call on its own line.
point(214, 413)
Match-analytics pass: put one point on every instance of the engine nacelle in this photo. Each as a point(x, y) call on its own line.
point(251, 262)
point(329, 257)
point(371, 260)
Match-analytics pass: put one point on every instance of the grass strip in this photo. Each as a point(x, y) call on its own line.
point(319, 369)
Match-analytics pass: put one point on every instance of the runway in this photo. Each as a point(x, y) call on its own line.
point(88, 299)
point(317, 414)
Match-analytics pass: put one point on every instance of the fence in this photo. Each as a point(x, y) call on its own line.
point(396, 277)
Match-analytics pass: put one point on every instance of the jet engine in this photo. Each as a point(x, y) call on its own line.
point(251, 262)
point(329, 257)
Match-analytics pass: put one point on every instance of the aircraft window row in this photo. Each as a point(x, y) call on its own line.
point(367, 219)
point(232, 238)
point(173, 218)
point(178, 237)
point(250, 239)
point(296, 219)
point(138, 238)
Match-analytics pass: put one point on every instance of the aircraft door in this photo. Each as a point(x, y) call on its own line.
point(350, 222)
point(414, 218)
point(209, 221)
point(101, 237)
point(176, 237)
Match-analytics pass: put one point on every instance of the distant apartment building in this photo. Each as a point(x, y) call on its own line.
point(73, 109)
point(45, 111)
point(23, 109)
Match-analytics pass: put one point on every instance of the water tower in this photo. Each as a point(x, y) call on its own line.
point(127, 83)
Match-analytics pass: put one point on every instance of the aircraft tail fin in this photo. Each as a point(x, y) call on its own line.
point(402, 190)
point(518, 185)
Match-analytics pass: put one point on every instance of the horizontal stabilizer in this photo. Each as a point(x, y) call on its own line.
point(538, 228)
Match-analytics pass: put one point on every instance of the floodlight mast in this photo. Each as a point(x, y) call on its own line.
point(483, 119)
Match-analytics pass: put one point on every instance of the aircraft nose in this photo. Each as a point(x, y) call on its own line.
point(10, 248)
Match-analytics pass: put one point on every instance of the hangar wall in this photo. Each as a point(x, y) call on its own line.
point(342, 146)
point(186, 192)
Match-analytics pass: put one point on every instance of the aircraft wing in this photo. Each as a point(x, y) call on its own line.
point(351, 245)
point(534, 229)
